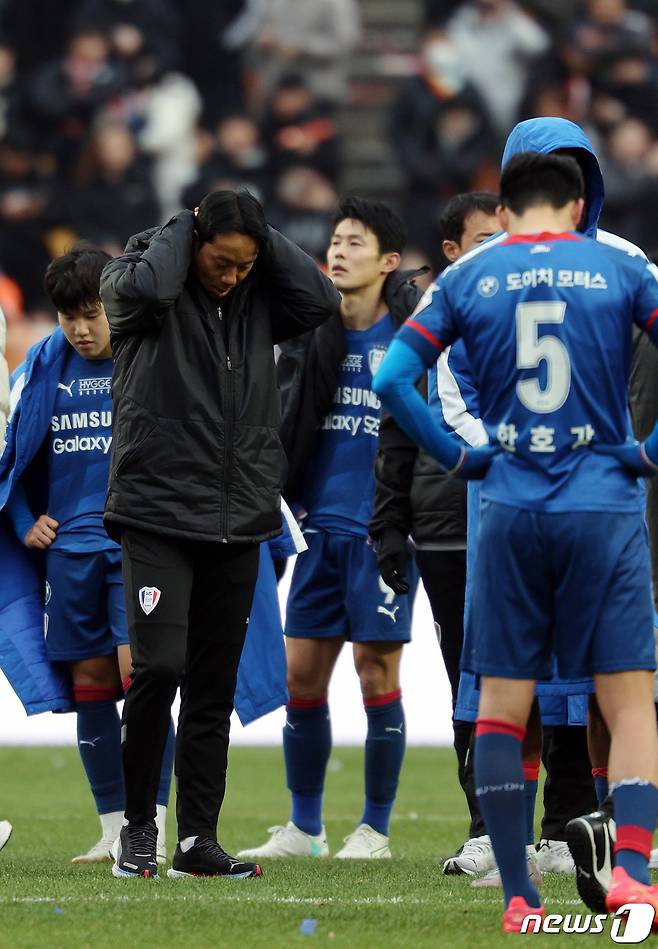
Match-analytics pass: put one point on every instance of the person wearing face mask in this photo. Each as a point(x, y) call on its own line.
point(442, 133)
point(195, 308)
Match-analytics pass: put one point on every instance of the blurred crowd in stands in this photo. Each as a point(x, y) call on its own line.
point(115, 113)
point(486, 64)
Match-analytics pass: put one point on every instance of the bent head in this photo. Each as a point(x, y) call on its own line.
point(541, 193)
point(72, 283)
point(366, 244)
point(229, 232)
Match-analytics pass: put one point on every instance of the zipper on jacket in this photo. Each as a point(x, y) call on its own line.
point(228, 442)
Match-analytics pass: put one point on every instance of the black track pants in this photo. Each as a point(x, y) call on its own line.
point(188, 603)
point(569, 788)
point(444, 577)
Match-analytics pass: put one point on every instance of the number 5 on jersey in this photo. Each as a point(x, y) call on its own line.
point(532, 348)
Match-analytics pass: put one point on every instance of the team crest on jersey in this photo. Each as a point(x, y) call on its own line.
point(149, 597)
point(49, 593)
point(488, 286)
point(375, 357)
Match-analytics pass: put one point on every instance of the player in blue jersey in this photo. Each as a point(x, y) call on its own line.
point(563, 563)
point(568, 791)
point(5, 826)
point(336, 593)
point(85, 619)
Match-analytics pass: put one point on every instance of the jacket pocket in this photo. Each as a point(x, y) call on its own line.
point(131, 433)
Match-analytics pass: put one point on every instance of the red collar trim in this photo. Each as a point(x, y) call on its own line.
point(541, 238)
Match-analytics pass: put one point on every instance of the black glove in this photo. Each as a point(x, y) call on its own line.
point(392, 559)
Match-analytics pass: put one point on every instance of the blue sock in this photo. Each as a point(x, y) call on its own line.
point(530, 782)
point(600, 776)
point(635, 805)
point(167, 767)
point(499, 789)
point(99, 743)
point(306, 749)
point(385, 745)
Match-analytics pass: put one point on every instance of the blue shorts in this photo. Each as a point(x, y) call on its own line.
point(336, 590)
point(85, 613)
point(574, 586)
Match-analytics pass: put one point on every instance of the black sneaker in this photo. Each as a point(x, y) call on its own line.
point(207, 859)
point(137, 851)
point(591, 840)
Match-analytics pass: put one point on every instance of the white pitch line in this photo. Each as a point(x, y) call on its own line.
point(274, 899)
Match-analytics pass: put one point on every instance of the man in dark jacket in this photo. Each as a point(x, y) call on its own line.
point(330, 426)
point(195, 308)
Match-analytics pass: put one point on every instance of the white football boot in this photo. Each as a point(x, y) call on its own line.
point(110, 828)
point(492, 877)
point(5, 832)
point(476, 856)
point(365, 844)
point(289, 841)
point(554, 856)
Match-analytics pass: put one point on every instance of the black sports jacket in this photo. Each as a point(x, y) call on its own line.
point(196, 451)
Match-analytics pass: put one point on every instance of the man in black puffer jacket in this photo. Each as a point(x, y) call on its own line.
point(195, 308)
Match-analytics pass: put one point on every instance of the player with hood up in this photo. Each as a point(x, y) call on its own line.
point(562, 703)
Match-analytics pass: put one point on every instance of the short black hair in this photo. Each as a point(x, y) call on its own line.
point(459, 208)
point(378, 218)
point(223, 212)
point(531, 178)
point(73, 280)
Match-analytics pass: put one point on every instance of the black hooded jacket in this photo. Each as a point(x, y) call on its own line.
point(196, 451)
point(307, 371)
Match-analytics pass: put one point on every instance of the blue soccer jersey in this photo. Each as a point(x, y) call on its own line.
point(79, 454)
point(339, 489)
point(547, 323)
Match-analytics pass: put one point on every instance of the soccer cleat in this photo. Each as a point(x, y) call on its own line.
point(365, 844)
point(289, 841)
point(136, 852)
point(476, 856)
point(624, 889)
point(99, 853)
point(517, 910)
point(554, 856)
point(492, 877)
point(591, 840)
point(161, 824)
point(5, 832)
point(205, 858)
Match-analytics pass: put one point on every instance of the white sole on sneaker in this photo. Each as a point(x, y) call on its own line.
point(181, 875)
point(125, 875)
point(5, 832)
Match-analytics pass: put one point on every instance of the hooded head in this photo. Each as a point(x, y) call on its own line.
point(552, 134)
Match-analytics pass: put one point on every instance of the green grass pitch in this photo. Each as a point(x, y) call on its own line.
point(46, 903)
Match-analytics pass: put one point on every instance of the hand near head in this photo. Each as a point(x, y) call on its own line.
point(42, 533)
